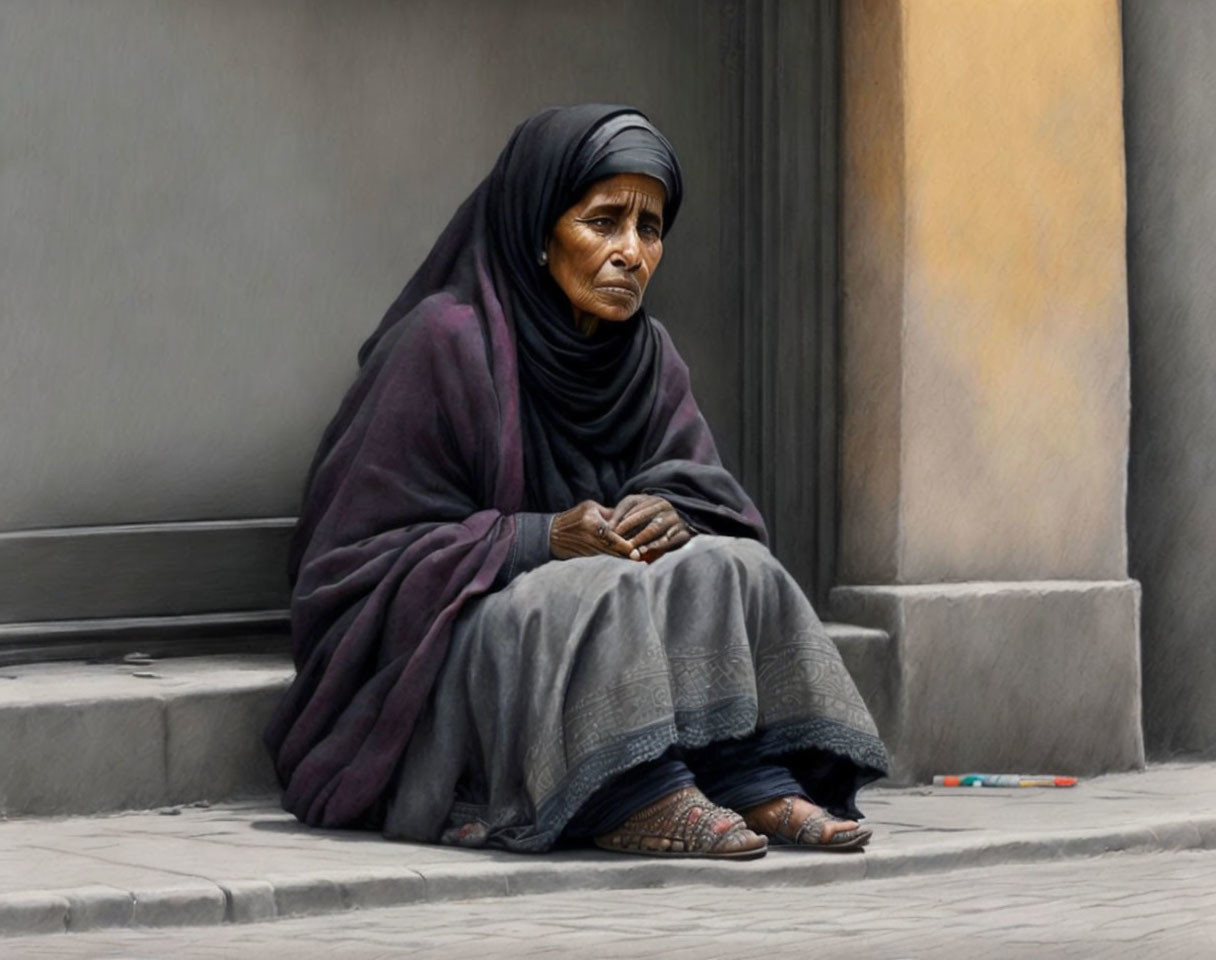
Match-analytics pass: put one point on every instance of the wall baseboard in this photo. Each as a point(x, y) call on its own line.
point(144, 570)
point(253, 631)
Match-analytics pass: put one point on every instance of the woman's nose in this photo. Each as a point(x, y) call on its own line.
point(629, 253)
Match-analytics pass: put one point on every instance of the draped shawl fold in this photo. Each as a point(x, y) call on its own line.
point(476, 401)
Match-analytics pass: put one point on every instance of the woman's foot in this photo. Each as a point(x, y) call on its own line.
point(795, 821)
point(685, 824)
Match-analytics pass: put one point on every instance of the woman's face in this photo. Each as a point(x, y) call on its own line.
point(604, 249)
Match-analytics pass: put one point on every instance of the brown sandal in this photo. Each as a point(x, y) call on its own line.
point(690, 826)
point(809, 834)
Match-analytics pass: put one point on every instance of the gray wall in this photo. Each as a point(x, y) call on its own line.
point(1170, 77)
point(206, 205)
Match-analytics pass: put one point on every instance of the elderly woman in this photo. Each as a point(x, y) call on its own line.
point(530, 605)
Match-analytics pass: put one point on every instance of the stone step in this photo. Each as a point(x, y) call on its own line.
point(93, 737)
point(869, 656)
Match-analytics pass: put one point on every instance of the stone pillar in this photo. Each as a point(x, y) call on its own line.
point(984, 377)
point(1171, 150)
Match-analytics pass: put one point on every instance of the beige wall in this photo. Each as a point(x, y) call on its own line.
point(985, 356)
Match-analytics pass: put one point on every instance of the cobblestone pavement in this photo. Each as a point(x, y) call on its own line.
point(1117, 906)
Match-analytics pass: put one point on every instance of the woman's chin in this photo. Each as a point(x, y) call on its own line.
point(617, 311)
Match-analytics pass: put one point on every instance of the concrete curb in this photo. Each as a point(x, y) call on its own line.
point(204, 902)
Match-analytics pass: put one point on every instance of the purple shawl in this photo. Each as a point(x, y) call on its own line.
point(476, 401)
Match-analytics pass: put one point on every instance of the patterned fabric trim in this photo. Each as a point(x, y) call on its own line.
point(693, 729)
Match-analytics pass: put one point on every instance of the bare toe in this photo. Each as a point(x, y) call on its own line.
point(833, 827)
point(743, 839)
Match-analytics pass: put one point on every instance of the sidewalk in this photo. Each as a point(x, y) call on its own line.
point(246, 862)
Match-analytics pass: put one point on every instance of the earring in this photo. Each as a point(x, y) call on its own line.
point(543, 258)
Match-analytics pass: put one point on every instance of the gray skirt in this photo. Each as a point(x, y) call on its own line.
point(581, 669)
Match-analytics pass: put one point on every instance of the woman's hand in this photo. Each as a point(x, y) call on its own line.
point(586, 530)
point(652, 525)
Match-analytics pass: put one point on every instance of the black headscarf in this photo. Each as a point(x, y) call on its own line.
point(585, 399)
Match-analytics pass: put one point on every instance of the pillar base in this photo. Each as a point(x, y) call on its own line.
point(1017, 677)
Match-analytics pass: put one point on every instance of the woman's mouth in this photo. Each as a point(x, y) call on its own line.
point(618, 290)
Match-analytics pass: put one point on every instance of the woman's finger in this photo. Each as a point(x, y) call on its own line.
point(633, 509)
point(659, 526)
point(625, 506)
point(608, 540)
point(675, 538)
point(641, 515)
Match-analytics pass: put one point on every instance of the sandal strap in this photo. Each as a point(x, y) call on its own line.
point(672, 819)
point(787, 810)
point(813, 822)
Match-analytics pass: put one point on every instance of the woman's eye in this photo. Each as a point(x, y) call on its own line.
point(649, 230)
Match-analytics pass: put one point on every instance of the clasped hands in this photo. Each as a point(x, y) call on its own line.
point(640, 527)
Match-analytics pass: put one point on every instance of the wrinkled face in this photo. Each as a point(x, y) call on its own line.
point(604, 249)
